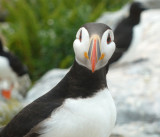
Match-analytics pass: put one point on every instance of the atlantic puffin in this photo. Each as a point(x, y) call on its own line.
point(13, 71)
point(80, 105)
point(124, 30)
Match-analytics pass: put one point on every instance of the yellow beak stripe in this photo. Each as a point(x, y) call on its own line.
point(86, 55)
point(102, 56)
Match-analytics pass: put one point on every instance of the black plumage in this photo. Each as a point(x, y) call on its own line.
point(16, 65)
point(79, 82)
point(124, 31)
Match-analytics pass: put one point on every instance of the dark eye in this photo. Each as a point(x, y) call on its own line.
point(108, 39)
point(80, 36)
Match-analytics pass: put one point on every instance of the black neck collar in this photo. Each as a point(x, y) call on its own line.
point(81, 82)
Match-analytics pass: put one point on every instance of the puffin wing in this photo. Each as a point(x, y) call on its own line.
point(30, 117)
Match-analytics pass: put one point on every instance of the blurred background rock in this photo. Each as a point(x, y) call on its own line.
point(41, 34)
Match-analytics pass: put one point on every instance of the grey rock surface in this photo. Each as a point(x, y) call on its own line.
point(153, 4)
point(113, 18)
point(134, 82)
point(46, 83)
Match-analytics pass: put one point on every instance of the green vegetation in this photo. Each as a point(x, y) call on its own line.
point(41, 32)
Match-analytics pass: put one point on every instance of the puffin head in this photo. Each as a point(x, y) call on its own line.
point(136, 8)
point(94, 45)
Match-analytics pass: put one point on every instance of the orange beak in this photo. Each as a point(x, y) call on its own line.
point(94, 55)
point(94, 52)
point(6, 94)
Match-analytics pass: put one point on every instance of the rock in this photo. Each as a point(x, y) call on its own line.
point(137, 129)
point(46, 83)
point(113, 18)
point(153, 4)
point(8, 110)
point(134, 82)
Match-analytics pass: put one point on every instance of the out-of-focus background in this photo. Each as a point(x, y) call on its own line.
point(36, 38)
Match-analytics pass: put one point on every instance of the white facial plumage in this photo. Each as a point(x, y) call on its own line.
point(103, 51)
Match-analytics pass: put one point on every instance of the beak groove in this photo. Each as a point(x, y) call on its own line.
point(94, 52)
point(94, 56)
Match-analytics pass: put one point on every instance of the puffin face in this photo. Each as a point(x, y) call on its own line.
point(94, 45)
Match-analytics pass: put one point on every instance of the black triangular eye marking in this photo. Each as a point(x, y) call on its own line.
point(80, 36)
point(108, 39)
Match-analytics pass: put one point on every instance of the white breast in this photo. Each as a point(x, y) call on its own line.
point(88, 117)
point(5, 70)
point(6, 73)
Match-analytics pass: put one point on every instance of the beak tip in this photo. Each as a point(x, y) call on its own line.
point(93, 70)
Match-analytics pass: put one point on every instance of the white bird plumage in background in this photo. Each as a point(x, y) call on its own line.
point(13, 73)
